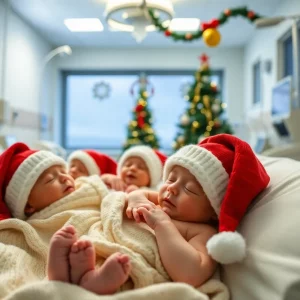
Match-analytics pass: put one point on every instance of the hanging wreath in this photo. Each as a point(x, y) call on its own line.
point(149, 88)
point(101, 90)
point(208, 30)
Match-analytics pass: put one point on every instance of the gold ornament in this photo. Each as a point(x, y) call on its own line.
point(145, 94)
point(135, 134)
point(211, 37)
point(208, 128)
point(208, 115)
point(142, 102)
point(206, 134)
point(192, 111)
point(196, 124)
point(180, 139)
point(224, 105)
point(133, 123)
point(150, 130)
point(196, 98)
point(186, 97)
point(206, 101)
point(211, 123)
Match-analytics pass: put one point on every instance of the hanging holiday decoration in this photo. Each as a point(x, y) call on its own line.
point(139, 130)
point(101, 90)
point(203, 116)
point(208, 30)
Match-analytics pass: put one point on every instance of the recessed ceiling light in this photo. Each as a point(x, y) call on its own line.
point(84, 24)
point(184, 24)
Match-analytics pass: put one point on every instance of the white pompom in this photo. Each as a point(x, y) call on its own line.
point(227, 247)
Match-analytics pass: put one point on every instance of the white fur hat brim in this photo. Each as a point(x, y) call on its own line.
point(87, 160)
point(152, 161)
point(206, 168)
point(25, 177)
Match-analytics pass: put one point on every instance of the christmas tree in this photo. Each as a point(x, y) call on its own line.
point(140, 131)
point(203, 116)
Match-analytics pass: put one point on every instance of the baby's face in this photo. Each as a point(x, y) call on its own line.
point(77, 169)
point(135, 171)
point(183, 199)
point(52, 185)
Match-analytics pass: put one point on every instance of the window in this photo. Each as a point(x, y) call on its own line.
point(89, 122)
point(256, 82)
point(288, 57)
point(286, 43)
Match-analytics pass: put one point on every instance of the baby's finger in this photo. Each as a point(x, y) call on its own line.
point(136, 215)
point(129, 212)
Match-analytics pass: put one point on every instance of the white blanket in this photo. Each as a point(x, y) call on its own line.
point(97, 216)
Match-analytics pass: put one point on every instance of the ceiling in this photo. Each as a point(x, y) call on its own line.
point(47, 17)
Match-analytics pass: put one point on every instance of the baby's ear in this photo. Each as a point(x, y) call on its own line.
point(29, 210)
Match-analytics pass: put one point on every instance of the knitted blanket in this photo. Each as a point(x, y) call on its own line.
point(97, 215)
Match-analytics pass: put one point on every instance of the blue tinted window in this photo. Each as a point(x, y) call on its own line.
point(89, 122)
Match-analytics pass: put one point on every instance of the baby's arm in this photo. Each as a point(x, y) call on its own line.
point(114, 182)
point(185, 261)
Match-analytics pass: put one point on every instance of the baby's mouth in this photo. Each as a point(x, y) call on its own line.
point(130, 176)
point(69, 188)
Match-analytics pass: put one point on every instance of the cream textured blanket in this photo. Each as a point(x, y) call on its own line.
point(97, 215)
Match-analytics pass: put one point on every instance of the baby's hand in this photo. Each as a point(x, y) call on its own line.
point(131, 188)
point(135, 200)
point(114, 182)
point(153, 216)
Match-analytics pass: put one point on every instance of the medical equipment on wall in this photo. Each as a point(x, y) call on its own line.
point(50, 146)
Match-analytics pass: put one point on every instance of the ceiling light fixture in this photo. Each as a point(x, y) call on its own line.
point(132, 15)
point(84, 24)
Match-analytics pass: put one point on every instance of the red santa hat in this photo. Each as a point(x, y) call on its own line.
point(154, 160)
point(20, 168)
point(231, 177)
point(96, 163)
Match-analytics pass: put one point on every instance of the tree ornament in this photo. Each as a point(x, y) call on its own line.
point(180, 139)
point(140, 121)
point(139, 108)
point(211, 37)
point(184, 120)
point(200, 106)
point(215, 108)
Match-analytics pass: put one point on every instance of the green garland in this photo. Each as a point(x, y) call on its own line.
point(214, 23)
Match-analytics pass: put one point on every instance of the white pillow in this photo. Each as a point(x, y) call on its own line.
point(271, 229)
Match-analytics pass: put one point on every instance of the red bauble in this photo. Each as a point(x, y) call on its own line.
point(141, 121)
point(139, 108)
point(168, 33)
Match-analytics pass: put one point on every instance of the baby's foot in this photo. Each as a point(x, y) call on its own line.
point(109, 277)
point(58, 258)
point(82, 259)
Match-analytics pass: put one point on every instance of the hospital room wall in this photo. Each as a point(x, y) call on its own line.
point(22, 50)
